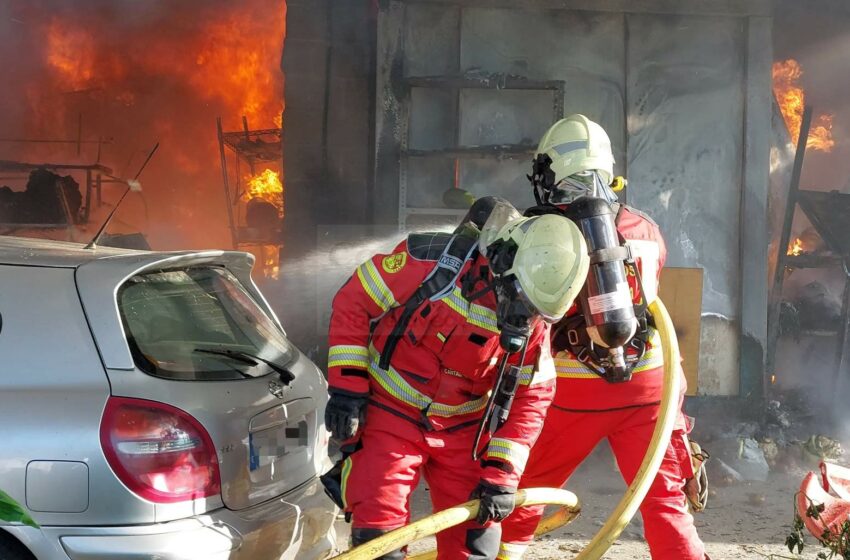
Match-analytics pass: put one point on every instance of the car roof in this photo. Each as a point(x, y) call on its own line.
point(45, 252)
point(26, 251)
point(100, 271)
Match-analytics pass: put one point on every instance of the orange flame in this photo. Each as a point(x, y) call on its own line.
point(267, 257)
point(162, 78)
point(271, 262)
point(792, 100)
point(773, 379)
point(247, 83)
point(266, 185)
point(71, 52)
point(796, 247)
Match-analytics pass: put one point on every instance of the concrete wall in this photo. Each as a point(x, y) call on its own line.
point(328, 62)
point(328, 65)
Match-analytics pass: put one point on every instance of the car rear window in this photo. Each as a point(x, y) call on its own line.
point(199, 324)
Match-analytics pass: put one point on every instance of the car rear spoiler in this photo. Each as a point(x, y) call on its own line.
point(98, 282)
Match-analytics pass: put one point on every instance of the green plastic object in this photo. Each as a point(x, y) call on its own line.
point(11, 511)
point(458, 198)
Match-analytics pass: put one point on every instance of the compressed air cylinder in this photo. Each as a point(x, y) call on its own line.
point(606, 299)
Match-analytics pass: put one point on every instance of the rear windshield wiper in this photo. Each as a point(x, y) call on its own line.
point(286, 376)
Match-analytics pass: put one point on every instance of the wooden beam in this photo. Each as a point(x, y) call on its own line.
point(812, 261)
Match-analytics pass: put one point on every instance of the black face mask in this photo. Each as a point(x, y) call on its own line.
point(515, 318)
point(542, 178)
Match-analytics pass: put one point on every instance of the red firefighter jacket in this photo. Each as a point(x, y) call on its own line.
point(446, 363)
point(581, 389)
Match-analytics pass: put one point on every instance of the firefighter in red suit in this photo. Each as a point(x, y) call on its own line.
point(417, 337)
point(575, 159)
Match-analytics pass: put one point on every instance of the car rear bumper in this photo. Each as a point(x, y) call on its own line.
point(275, 530)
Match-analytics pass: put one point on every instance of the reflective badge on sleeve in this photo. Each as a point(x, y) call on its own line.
point(394, 263)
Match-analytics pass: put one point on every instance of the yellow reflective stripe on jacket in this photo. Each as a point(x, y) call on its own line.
point(457, 302)
point(508, 551)
point(393, 383)
point(541, 373)
point(375, 286)
point(483, 317)
point(508, 450)
point(474, 314)
point(344, 355)
point(569, 367)
point(440, 409)
point(526, 375)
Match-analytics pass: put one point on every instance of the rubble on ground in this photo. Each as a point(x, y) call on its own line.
point(785, 439)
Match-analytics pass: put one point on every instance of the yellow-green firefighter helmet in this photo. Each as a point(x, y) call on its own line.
point(550, 263)
point(578, 144)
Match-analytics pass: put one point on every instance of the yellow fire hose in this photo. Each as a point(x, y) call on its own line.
point(570, 507)
point(437, 522)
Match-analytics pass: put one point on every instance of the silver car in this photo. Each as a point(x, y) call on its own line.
point(152, 407)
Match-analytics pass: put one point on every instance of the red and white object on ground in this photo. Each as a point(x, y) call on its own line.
point(829, 488)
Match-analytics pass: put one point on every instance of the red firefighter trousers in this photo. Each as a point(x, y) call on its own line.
point(381, 476)
point(569, 437)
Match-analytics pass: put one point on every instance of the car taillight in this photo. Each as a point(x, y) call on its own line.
point(158, 451)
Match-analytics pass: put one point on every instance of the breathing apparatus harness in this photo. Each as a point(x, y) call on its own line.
point(611, 334)
point(514, 313)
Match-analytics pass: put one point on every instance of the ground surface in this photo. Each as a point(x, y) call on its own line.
point(748, 520)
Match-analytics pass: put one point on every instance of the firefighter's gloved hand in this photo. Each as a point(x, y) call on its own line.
point(345, 415)
point(497, 502)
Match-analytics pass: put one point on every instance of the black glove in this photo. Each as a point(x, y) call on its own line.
point(345, 415)
point(497, 502)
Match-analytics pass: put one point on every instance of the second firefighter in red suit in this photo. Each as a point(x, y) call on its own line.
point(417, 414)
point(576, 160)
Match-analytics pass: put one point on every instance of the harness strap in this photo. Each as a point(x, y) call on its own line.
point(439, 283)
point(610, 254)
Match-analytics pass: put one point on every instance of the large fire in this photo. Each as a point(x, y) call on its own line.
point(792, 100)
point(268, 186)
point(138, 74)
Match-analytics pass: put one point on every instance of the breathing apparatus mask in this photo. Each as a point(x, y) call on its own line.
point(538, 264)
point(516, 314)
point(588, 183)
point(516, 317)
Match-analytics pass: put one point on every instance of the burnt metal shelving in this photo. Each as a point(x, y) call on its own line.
point(827, 211)
point(501, 151)
point(95, 173)
point(455, 84)
point(251, 147)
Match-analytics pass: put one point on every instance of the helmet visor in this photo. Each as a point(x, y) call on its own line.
point(529, 307)
point(577, 185)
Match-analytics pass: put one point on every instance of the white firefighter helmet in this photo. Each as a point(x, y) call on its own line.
point(582, 160)
point(578, 144)
point(547, 256)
